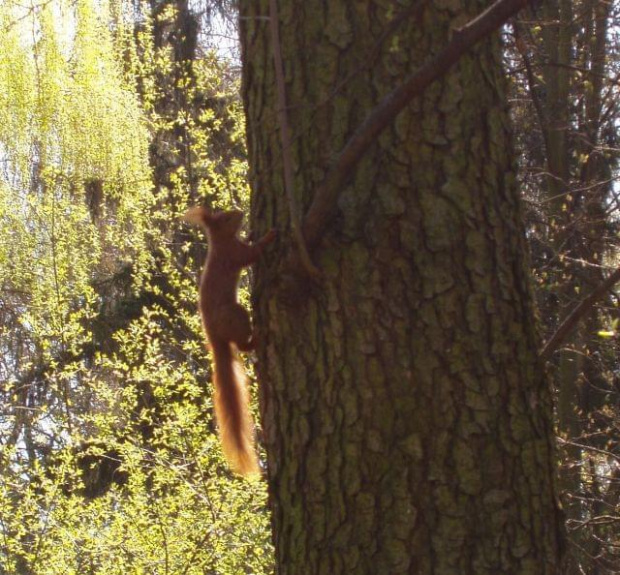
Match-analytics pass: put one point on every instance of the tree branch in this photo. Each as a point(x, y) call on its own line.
point(522, 48)
point(285, 141)
point(576, 315)
point(326, 198)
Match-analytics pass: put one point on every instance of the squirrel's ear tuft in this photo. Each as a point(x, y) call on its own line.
point(198, 215)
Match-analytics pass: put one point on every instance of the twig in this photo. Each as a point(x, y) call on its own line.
point(588, 448)
point(522, 48)
point(285, 140)
point(576, 315)
point(31, 11)
point(326, 198)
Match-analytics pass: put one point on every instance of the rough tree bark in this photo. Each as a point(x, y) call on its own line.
point(406, 418)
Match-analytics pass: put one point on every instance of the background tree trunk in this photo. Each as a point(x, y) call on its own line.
point(406, 419)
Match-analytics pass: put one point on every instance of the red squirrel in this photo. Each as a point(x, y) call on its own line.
point(227, 327)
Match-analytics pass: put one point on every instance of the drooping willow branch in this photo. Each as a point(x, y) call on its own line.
point(577, 314)
point(325, 199)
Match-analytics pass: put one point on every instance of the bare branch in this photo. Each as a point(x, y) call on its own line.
point(576, 315)
point(543, 120)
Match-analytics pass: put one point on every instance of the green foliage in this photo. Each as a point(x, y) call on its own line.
point(109, 461)
point(66, 120)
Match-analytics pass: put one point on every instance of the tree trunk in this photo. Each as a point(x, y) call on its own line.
point(406, 418)
point(557, 46)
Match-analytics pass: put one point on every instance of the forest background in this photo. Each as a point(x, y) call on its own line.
point(115, 116)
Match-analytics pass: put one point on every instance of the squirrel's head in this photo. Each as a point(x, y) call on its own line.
point(221, 224)
point(225, 223)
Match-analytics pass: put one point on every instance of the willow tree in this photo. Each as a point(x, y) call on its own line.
point(74, 192)
point(406, 417)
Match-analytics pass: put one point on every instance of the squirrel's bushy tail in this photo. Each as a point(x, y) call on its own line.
point(232, 410)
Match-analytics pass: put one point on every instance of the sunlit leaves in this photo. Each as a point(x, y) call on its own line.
point(69, 121)
point(110, 463)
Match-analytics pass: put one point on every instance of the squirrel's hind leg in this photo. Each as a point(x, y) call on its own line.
point(237, 328)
